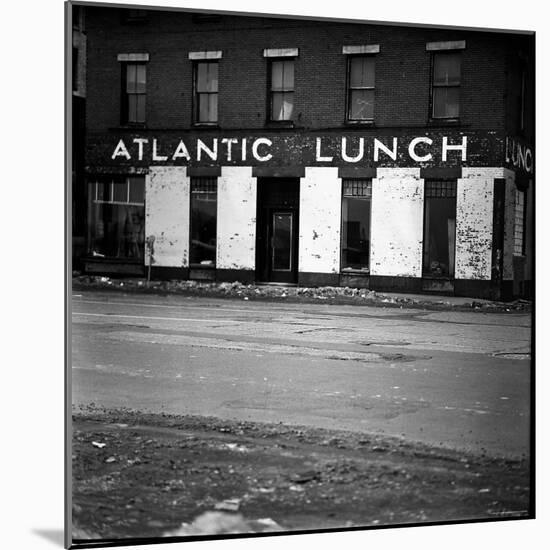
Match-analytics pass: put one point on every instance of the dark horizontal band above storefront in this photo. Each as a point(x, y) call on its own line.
point(434, 172)
point(356, 172)
point(204, 171)
point(278, 171)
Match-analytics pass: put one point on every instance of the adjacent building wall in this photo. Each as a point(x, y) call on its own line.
point(236, 223)
point(397, 222)
point(320, 219)
point(474, 223)
point(509, 217)
point(167, 192)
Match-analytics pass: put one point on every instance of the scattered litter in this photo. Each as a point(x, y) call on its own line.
point(296, 489)
point(484, 491)
point(304, 477)
point(98, 445)
point(266, 490)
point(110, 459)
point(230, 505)
point(213, 523)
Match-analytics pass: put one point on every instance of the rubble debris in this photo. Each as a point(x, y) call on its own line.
point(230, 505)
point(98, 445)
point(249, 292)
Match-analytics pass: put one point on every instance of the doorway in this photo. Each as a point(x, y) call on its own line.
point(277, 230)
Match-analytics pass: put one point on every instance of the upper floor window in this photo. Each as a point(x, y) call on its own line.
point(360, 88)
point(446, 84)
point(134, 93)
point(281, 89)
point(206, 92)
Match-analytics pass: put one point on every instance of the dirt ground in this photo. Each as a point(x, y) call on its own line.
point(148, 475)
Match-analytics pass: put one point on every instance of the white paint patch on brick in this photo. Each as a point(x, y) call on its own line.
point(397, 222)
point(509, 216)
point(236, 225)
point(167, 191)
point(474, 223)
point(320, 218)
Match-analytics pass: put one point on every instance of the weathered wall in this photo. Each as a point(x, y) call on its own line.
point(236, 224)
point(509, 215)
point(167, 192)
point(397, 221)
point(320, 219)
point(474, 223)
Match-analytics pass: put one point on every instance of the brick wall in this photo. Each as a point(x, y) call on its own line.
point(402, 70)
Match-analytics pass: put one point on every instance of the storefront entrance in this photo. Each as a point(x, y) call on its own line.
point(277, 230)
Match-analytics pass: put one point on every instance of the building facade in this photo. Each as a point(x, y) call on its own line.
point(265, 149)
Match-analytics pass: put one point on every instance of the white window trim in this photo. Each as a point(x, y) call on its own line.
point(450, 45)
point(281, 52)
point(366, 49)
point(199, 56)
point(130, 57)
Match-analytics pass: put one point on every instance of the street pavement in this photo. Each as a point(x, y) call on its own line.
point(447, 378)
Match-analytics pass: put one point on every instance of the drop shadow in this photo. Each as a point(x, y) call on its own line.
point(57, 536)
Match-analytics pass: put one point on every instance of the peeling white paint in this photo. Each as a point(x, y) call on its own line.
point(397, 222)
point(167, 191)
point(320, 219)
point(509, 216)
point(474, 223)
point(236, 225)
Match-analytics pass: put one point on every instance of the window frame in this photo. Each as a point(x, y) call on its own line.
point(366, 198)
point(271, 92)
point(125, 100)
point(523, 209)
point(196, 93)
point(349, 89)
point(433, 85)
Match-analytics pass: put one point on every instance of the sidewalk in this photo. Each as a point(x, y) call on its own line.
point(330, 295)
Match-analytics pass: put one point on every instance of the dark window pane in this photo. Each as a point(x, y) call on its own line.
point(439, 228)
point(288, 75)
point(103, 191)
point(140, 79)
point(203, 221)
point(361, 104)
point(140, 108)
point(120, 192)
point(130, 79)
point(132, 108)
point(137, 188)
point(282, 106)
point(447, 69)
point(362, 72)
point(282, 237)
point(212, 83)
point(277, 75)
point(202, 77)
point(446, 102)
point(355, 233)
point(208, 107)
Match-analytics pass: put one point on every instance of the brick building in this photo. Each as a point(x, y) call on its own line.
point(268, 149)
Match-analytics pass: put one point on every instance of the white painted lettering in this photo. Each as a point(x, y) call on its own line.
point(243, 149)
point(379, 146)
point(140, 142)
point(318, 156)
point(212, 153)
point(181, 151)
point(121, 151)
point(256, 144)
point(412, 145)
point(461, 148)
point(229, 143)
point(156, 156)
point(528, 161)
point(359, 155)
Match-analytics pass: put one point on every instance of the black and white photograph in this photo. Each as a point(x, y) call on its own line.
point(301, 273)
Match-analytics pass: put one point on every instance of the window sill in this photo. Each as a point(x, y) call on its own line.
point(280, 124)
point(130, 126)
point(362, 123)
point(364, 272)
point(445, 122)
point(206, 125)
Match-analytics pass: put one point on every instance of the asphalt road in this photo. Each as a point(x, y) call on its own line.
point(453, 379)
